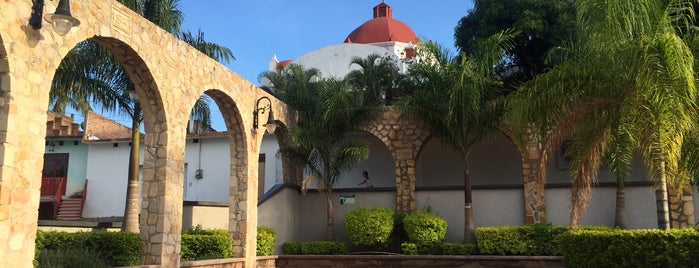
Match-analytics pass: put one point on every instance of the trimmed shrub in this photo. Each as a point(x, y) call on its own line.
point(408, 249)
point(199, 244)
point(425, 229)
point(112, 248)
point(369, 226)
point(69, 257)
point(265, 241)
point(456, 249)
point(630, 248)
point(529, 240)
point(315, 248)
point(291, 248)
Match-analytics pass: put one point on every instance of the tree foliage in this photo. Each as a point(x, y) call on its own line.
point(624, 82)
point(459, 100)
point(542, 25)
point(328, 111)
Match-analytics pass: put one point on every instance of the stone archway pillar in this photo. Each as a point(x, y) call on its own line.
point(161, 207)
point(681, 207)
point(534, 197)
point(403, 138)
point(405, 184)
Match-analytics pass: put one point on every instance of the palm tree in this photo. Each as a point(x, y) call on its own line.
point(628, 84)
point(460, 102)
point(90, 74)
point(321, 140)
point(375, 78)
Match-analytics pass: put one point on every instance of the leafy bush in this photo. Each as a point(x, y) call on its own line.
point(265, 241)
point(531, 240)
point(630, 248)
point(69, 257)
point(369, 226)
point(291, 248)
point(456, 249)
point(408, 249)
point(324, 248)
point(199, 244)
point(425, 229)
point(315, 248)
point(112, 248)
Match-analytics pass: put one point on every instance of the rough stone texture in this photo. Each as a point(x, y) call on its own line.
point(534, 198)
point(681, 207)
point(403, 138)
point(169, 77)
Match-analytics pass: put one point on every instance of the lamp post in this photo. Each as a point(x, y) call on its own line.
point(271, 125)
point(61, 20)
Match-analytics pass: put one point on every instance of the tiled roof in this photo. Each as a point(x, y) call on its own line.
point(382, 28)
point(61, 126)
point(100, 128)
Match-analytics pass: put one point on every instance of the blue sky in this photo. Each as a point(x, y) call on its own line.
point(256, 30)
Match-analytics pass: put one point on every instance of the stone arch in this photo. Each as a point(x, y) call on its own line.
point(237, 219)
point(167, 72)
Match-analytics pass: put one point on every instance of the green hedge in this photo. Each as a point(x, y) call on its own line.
point(199, 244)
point(112, 248)
point(315, 248)
point(265, 241)
point(291, 248)
point(530, 240)
point(630, 248)
point(408, 249)
point(369, 226)
point(455, 249)
point(425, 229)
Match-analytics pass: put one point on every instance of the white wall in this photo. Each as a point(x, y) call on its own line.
point(334, 61)
point(492, 162)
point(107, 170)
point(273, 163)
point(313, 211)
point(214, 160)
point(380, 166)
point(640, 207)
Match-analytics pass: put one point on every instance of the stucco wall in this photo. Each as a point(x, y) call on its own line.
point(492, 162)
point(640, 206)
point(208, 216)
point(334, 60)
point(313, 211)
point(283, 213)
point(212, 155)
point(298, 217)
point(273, 163)
point(107, 168)
point(380, 166)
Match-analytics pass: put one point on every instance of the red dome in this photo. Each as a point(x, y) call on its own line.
point(382, 28)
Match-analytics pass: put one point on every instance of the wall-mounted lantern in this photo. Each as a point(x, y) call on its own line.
point(61, 20)
point(271, 125)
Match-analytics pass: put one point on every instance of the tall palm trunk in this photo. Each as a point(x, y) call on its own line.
point(469, 227)
point(330, 228)
point(620, 211)
point(661, 201)
point(130, 223)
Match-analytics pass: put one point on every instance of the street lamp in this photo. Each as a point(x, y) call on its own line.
point(271, 125)
point(61, 20)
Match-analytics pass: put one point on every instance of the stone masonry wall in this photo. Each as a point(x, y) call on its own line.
point(169, 77)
